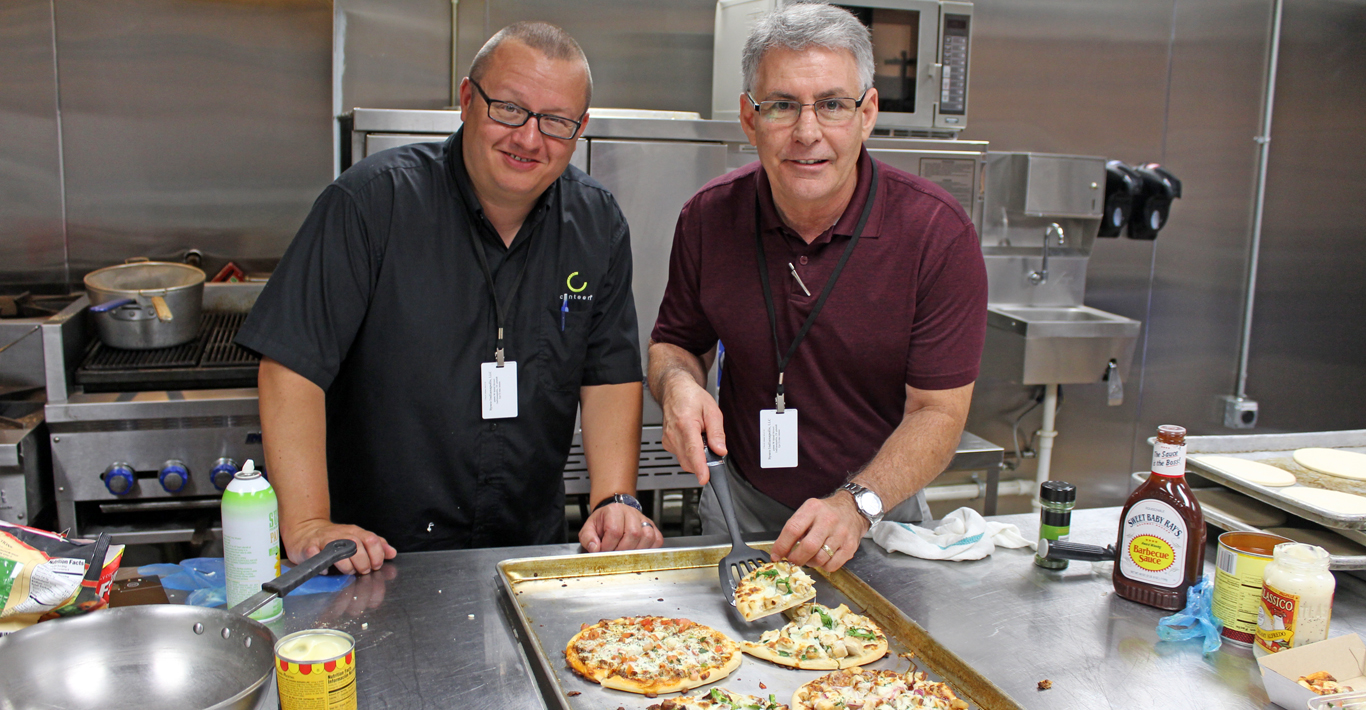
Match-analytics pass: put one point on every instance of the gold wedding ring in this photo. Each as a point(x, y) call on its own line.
point(826, 549)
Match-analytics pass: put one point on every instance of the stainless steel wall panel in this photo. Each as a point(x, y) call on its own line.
point(192, 125)
point(651, 181)
point(394, 53)
point(32, 244)
point(644, 54)
point(1308, 355)
point(1201, 257)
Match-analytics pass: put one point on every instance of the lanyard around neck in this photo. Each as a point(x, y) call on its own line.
point(499, 307)
point(779, 402)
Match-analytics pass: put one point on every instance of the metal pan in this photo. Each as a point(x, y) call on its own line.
point(548, 598)
point(143, 305)
point(155, 657)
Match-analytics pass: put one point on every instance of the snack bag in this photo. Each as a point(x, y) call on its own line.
point(44, 575)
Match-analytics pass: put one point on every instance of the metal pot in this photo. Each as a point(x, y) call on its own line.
point(154, 657)
point(147, 304)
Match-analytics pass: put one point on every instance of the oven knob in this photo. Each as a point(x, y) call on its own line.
point(119, 479)
point(174, 476)
point(223, 471)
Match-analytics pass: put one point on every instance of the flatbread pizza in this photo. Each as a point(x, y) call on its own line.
point(721, 699)
point(820, 638)
point(876, 690)
point(651, 655)
point(774, 587)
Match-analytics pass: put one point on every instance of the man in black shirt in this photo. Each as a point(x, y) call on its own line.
point(427, 336)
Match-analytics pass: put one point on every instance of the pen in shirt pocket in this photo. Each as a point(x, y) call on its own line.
point(564, 308)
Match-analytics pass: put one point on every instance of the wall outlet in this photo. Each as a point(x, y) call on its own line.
point(1239, 412)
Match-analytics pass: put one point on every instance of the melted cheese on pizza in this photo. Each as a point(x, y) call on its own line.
point(721, 699)
point(773, 587)
point(818, 632)
point(876, 690)
point(651, 647)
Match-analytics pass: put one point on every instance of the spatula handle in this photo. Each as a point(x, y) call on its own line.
point(720, 483)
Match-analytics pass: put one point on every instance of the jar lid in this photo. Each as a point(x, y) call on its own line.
point(1057, 492)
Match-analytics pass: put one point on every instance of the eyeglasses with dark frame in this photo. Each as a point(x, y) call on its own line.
point(514, 116)
point(833, 111)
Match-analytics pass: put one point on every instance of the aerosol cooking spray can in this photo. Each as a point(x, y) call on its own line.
point(251, 539)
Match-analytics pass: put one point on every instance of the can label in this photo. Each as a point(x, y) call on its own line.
point(1238, 592)
point(1153, 544)
point(1169, 459)
point(1276, 619)
point(317, 685)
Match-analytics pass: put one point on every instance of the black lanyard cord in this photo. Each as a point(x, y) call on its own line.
point(783, 360)
point(499, 307)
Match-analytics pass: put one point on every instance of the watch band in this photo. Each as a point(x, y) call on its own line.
point(858, 491)
point(623, 498)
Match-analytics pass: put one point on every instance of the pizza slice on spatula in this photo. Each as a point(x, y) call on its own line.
point(773, 588)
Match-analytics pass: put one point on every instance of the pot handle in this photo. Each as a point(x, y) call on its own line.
point(333, 552)
point(110, 305)
point(163, 311)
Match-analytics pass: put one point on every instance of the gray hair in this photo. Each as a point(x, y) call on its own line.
point(808, 24)
point(551, 41)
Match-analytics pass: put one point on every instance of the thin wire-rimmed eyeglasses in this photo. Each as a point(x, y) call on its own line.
point(514, 116)
point(834, 111)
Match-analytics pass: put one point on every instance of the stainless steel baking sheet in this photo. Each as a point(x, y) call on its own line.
point(552, 596)
point(1278, 450)
point(1224, 521)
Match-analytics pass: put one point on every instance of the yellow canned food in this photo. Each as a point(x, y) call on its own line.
point(1243, 556)
point(316, 670)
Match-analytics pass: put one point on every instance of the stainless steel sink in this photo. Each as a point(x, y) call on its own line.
point(1038, 345)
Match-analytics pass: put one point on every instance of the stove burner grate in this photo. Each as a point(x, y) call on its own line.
point(211, 360)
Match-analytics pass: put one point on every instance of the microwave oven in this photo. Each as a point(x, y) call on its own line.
point(921, 50)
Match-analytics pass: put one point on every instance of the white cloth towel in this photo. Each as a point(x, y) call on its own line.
point(962, 535)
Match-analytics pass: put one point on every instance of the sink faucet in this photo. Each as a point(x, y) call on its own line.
point(1041, 276)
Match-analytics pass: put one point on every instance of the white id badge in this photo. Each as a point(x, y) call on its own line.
point(778, 438)
point(498, 389)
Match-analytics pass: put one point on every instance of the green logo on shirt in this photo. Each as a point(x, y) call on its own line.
point(570, 283)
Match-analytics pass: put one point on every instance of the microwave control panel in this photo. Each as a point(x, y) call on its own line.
point(954, 59)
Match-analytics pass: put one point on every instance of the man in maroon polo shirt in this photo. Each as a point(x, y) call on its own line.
point(826, 437)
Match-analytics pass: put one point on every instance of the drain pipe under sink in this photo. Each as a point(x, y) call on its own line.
point(1046, 434)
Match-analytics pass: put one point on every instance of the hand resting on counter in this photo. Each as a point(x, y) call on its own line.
point(619, 527)
point(307, 538)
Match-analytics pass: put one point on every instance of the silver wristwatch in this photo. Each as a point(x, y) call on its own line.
point(869, 504)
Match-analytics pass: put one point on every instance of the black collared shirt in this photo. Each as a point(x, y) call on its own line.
point(381, 302)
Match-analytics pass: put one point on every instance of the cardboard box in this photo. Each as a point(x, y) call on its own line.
point(1343, 656)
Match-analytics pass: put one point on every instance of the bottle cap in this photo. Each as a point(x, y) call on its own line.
point(1057, 492)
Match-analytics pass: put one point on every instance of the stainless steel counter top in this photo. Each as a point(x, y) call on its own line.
point(430, 632)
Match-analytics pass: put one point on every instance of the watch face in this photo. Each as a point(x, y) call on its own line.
point(869, 503)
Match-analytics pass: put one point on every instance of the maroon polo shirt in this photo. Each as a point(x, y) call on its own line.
point(909, 309)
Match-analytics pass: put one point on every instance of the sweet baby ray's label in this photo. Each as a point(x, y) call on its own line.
point(1153, 546)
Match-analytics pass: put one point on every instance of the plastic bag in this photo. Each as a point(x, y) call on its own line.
point(44, 575)
point(1196, 620)
point(206, 580)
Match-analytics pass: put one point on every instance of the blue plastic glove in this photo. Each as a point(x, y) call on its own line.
point(206, 580)
point(1196, 620)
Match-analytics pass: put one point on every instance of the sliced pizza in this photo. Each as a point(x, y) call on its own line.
point(651, 654)
point(876, 690)
point(820, 638)
point(774, 587)
point(721, 699)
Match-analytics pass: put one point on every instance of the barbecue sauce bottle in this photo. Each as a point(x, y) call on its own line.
point(1161, 531)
